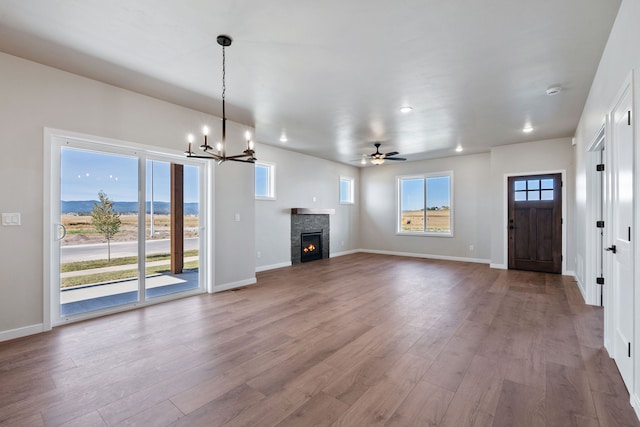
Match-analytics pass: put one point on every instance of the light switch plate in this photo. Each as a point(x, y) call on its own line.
point(12, 218)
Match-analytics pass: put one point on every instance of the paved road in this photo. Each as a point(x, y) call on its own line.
point(118, 249)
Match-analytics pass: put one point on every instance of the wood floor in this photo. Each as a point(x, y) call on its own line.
point(359, 340)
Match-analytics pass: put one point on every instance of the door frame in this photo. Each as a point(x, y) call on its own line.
point(51, 211)
point(505, 214)
point(597, 199)
point(632, 83)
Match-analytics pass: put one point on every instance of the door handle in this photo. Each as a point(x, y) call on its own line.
point(611, 249)
point(62, 232)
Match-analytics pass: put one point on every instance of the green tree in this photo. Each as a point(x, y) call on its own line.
point(105, 220)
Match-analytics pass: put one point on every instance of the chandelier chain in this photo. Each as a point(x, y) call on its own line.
point(224, 73)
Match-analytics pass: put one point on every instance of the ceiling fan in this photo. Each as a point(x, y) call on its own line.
point(378, 158)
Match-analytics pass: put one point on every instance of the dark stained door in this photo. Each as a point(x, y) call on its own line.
point(535, 223)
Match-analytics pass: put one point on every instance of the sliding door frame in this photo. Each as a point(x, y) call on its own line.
point(54, 140)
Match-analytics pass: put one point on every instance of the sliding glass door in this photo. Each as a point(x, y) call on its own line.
point(126, 228)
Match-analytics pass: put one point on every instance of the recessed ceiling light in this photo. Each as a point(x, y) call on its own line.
point(283, 138)
point(527, 129)
point(406, 109)
point(459, 148)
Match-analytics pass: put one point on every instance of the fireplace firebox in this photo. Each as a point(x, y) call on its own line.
point(310, 246)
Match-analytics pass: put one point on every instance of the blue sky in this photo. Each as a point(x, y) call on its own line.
point(437, 193)
point(84, 173)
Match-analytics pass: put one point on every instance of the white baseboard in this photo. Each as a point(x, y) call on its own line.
point(428, 256)
point(343, 253)
point(234, 285)
point(498, 266)
point(580, 286)
point(635, 403)
point(273, 266)
point(21, 332)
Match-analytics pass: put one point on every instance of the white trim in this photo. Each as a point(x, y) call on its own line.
point(427, 256)
point(425, 176)
point(505, 212)
point(580, 285)
point(595, 197)
point(498, 266)
point(352, 186)
point(635, 404)
point(271, 180)
point(54, 139)
point(234, 285)
point(273, 266)
point(343, 253)
point(12, 334)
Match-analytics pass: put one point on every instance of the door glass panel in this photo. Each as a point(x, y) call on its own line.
point(520, 185)
point(99, 209)
point(533, 184)
point(533, 195)
point(171, 228)
point(547, 184)
point(547, 194)
point(520, 196)
point(412, 205)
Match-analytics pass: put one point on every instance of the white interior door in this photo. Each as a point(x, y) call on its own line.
point(621, 249)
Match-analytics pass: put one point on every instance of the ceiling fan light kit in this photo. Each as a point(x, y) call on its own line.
point(379, 158)
point(220, 152)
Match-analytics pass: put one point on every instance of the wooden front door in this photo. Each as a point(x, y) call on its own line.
point(535, 223)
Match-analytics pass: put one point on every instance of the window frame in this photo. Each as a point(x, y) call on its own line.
point(271, 181)
point(425, 177)
point(351, 183)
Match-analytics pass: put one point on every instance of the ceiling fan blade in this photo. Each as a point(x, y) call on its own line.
point(392, 153)
point(395, 158)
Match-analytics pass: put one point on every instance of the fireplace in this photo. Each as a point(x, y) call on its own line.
point(307, 222)
point(310, 246)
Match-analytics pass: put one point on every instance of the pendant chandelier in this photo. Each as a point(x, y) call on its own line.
point(219, 153)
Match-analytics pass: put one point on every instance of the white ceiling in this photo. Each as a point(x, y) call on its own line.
point(333, 74)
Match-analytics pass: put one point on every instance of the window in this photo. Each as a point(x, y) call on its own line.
point(424, 204)
point(346, 191)
point(265, 181)
point(533, 189)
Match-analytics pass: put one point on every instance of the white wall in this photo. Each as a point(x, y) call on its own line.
point(530, 157)
point(620, 56)
point(471, 209)
point(300, 178)
point(34, 97)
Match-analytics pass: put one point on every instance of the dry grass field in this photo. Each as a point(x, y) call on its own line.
point(437, 221)
point(80, 231)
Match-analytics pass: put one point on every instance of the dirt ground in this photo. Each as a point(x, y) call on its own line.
point(436, 220)
point(81, 232)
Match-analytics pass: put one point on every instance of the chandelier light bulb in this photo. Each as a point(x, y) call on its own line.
point(247, 135)
point(205, 130)
point(190, 138)
point(251, 145)
point(219, 147)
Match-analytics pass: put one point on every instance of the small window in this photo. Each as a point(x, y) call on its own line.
point(533, 189)
point(346, 191)
point(265, 181)
point(425, 206)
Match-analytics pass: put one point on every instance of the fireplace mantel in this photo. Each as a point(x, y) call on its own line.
point(312, 211)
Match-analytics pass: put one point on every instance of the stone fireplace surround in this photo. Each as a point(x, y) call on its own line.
point(309, 220)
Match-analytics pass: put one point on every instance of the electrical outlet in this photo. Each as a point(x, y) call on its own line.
point(471, 248)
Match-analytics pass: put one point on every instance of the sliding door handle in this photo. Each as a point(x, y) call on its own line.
point(612, 248)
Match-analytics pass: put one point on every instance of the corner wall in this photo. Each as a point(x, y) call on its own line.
point(471, 209)
point(300, 178)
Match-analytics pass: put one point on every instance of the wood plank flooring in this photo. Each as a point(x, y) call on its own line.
point(359, 340)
